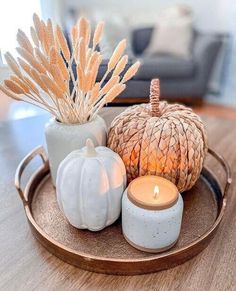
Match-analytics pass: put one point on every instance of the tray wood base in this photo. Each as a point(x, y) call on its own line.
point(107, 251)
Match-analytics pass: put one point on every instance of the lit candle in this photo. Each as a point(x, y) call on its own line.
point(151, 213)
point(153, 192)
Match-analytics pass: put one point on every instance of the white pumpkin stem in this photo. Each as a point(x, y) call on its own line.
point(155, 97)
point(91, 152)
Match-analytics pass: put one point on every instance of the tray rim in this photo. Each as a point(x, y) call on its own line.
point(52, 245)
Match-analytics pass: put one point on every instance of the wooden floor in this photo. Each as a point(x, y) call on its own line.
point(217, 111)
point(25, 264)
point(10, 109)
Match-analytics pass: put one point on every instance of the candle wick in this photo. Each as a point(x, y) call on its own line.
point(156, 192)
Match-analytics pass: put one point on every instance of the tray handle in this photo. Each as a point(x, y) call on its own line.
point(39, 151)
point(226, 167)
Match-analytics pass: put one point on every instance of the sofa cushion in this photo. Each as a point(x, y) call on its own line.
point(164, 67)
point(177, 20)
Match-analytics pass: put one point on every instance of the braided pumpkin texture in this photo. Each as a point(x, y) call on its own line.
point(162, 139)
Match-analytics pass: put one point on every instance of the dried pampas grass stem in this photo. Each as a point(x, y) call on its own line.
point(98, 34)
point(63, 81)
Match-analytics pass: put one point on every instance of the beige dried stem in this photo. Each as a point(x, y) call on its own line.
point(61, 40)
point(98, 34)
point(43, 73)
point(131, 72)
point(120, 66)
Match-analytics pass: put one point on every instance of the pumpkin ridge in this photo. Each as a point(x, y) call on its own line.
point(121, 141)
point(178, 160)
point(111, 137)
point(198, 154)
point(158, 142)
point(196, 172)
point(166, 150)
point(185, 185)
point(149, 145)
point(168, 156)
point(81, 198)
point(142, 150)
point(138, 142)
point(183, 158)
point(190, 159)
point(194, 169)
point(106, 220)
point(65, 164)
point(202, 130)
point(126, 145)
point(155, 142)
point(121, 165)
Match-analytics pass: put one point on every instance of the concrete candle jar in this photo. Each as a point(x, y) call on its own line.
point(152, 211)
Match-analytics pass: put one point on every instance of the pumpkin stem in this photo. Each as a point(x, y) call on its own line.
point(155, 97)
point(91, 152)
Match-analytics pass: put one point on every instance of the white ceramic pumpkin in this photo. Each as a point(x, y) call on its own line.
point(90, 183)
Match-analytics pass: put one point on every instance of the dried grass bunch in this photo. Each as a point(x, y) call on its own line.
point(43, 71)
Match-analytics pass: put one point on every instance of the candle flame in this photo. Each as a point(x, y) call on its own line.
point(156, 191)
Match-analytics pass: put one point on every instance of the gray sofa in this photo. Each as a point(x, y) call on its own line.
point(180, 78)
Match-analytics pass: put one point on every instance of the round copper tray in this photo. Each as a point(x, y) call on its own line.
point(107, 251)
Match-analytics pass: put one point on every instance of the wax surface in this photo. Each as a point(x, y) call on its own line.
point(142, 192)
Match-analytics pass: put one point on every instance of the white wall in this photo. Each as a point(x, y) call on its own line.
point(210, 15)
point(53, 9)
point(13, 15)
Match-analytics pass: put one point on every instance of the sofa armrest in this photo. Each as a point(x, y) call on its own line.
point(140, 39)
point(205, 52)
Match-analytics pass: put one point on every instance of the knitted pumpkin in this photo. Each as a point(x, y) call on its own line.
point(167, 140)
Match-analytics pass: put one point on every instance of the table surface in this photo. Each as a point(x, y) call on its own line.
point(26, 265)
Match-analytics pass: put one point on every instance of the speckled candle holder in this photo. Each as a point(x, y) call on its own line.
point(149, 226)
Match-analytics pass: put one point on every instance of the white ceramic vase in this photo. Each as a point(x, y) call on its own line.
point(62, 139)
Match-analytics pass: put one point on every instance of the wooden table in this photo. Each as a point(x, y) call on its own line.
point(26, 265)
